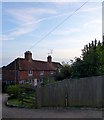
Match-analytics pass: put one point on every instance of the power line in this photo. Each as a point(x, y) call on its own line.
point(58, 25)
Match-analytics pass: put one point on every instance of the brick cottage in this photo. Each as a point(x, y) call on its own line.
point(23, 70)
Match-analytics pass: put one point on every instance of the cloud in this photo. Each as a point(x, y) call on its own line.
point(27, 19)
point(93, 23)
point(66, 54)
point(28, 14)
point(67, 31)
point(90, 9)
point(17, 32)
point(40, 20)
point(6, 37)
point(63, 43)
point(51, 1)
point(63, 2)
point(43, 1)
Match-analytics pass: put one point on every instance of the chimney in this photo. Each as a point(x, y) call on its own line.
point(28, 55)
point(49, 59)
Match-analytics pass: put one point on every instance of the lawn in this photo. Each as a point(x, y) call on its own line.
point(26, 103)
point(21, 96)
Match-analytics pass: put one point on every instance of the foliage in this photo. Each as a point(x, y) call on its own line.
point(22, 94)
point(28, 103)
point(47, 80)
point(65, 72)
point(93, 57)
point(91, 63)
point(77, 68)
point(14, 101)
point(13, 90)
point(18, 90)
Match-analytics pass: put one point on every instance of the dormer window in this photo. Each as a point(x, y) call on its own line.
point(30, 73)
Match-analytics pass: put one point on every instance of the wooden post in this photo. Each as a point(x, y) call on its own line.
point(66, 100)
point(38, 96)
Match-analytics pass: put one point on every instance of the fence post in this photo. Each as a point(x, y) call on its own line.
point(38, 96)
point(66, 100)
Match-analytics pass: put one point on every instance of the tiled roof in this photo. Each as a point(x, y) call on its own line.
point(23, 64)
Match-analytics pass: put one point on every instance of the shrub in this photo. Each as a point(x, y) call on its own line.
point(12, 90)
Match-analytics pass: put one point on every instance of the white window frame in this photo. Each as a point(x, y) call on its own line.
point(51, 72)
point(30, 73)
point(41, 73)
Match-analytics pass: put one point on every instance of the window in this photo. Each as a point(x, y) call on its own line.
point(35, 82)
point(51, 72)
point(30, 73)
point(59, 70)
point(22, 81)
point(41, 72)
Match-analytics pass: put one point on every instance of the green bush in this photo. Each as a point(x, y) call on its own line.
point(21, 95)
point(12, 90)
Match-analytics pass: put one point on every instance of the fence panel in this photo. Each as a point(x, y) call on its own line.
point(73, 92)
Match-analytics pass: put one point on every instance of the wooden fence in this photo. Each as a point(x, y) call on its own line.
point(87, 92)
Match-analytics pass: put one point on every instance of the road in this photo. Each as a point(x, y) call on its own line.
point(12, 112)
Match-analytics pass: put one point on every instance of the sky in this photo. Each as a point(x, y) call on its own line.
point(48, 28)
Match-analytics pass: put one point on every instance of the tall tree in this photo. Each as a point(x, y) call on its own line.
point(93, 57)
point(92, 62)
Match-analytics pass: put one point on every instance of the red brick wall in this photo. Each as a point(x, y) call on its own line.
point(23, 75)
point(8, 75)
point(36, 74)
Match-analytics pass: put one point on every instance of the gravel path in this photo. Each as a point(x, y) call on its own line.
point(8, 112)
